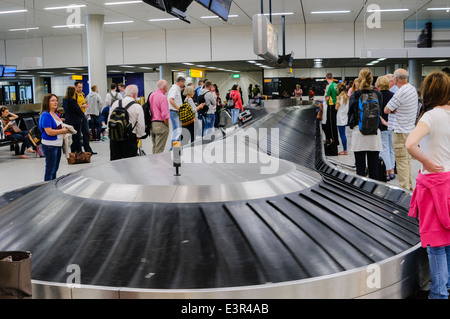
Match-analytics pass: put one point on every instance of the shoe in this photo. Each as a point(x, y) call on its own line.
point(343, 153)
point(388, 178)
point(392, 176)
point(24, 156)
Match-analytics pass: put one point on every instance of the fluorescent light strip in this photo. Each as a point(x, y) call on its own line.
point(163, 19)
point(280, 14)
point(388, 10)
point(118, 22)
point(68, 26)
point(217, 17)
point(438, 9)
point(13, 11)
point(121, 2)
point(67, 7)
point(328, 12)
point(439, 61)
point(24, 29)
point(187, 63)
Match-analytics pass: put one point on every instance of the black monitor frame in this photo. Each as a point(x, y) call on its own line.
point(159, 4)
point(224, 18)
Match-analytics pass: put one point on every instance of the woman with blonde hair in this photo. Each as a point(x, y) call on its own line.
point(430, 200)
point(365, 146)
point(387, 154)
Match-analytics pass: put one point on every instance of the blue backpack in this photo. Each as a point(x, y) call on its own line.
point(369, 114)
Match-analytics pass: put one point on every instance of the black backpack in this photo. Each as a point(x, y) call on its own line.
point(147, 117)
point(114, 98)
point(201, 99)
point(120, 128)
point(369, 113)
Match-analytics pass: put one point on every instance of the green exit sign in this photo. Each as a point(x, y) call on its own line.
point(236, 76)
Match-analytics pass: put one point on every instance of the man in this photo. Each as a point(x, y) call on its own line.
point(159, 106)
point(404, 104)
point(79, 97)
point(330, 126)
point(211, 102)
point(129, 148)
point(95, 103)
point(392, 87)
point(122, 90)
point(175, 101)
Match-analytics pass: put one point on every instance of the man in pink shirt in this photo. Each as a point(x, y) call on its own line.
point(159, 107)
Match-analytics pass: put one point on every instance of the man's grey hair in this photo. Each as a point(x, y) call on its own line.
point(131, 90)
point(401, 74)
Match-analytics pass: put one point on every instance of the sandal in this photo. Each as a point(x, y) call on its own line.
point(24, 156)
point(343, 153)
point(388, 178)
point(392, 176)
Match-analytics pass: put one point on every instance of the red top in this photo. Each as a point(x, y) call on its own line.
point(236, 96)
point(430, 203)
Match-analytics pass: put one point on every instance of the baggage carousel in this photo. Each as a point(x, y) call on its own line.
point(257, 212)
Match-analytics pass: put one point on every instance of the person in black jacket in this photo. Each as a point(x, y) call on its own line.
point(73, 116)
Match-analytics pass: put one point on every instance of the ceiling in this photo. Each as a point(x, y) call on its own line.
point(296, 11)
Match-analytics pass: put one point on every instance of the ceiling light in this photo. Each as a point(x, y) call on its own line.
point(439, 9)
point(13, 11)
point(68, 26)
point(67, 7)
point(75, 69)
point(115, 71)
point(201, 66)
point(126, 66)
point(187, 63)
point(146, 68)
point(118, 22)
point(163, 19)
point(211, 67)
point(381, 59)
point(439, 61)
point(217, 17)
point(121, 2)
point(280, 14)
point(251, 61)
point(387, 10)
point(327, 12)
point(24, 29)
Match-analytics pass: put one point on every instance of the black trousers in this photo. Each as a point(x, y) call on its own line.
point(125, 149)
point(86, 135)
point(372, 163)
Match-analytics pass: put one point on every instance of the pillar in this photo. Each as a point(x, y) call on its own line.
point(96, 53)
point(415, 72)
point(165, 73)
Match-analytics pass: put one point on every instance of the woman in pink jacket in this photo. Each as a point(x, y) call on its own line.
point(238, 107)
point(431, 197)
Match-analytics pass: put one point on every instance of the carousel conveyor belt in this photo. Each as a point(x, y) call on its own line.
point(219, 230)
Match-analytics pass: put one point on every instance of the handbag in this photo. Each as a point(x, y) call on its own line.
point(15, 275)
point(230, 104)
point(187, 116)
point(79, 158)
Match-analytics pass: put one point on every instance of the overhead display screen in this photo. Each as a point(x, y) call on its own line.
point(221, 8)
point(205, 3)
point(157, 4)
point(10, 71)
point(265, 38)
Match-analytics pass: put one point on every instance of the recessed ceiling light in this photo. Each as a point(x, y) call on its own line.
point(163, 19)
point(121, 2)
point(439, 9)
point(24, 29)
point(115, 71)
point(13, 11)
point(211, 67)
point(118, 22)
point(146, 68)
point(251, 61)
point(439, 61)
point(217, 17)
point(187, 63)
point(75, 69)
point(330, 12)
point(66, 7)
point(201, 66)
point(387, 10)
point(381, 59)
point(280, 14)
point(126, 66)
point(70, 26)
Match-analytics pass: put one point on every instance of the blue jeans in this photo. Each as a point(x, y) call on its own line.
point(234, 115)
point(95, 124)
point(387, 154)
point(439, 259)
point(209, 123)
point(52, 159)
point(176, 127)
point(343, 137)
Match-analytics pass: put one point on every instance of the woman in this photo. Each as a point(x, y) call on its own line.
point(354, 88)
point(298, 93)
point(73, 116)
point(52, 135)
point(189, 93)
point(341, 116)
point(430, 200)
point(387, 153)
point(364, 146)
point(12, 132)
point(238, 107)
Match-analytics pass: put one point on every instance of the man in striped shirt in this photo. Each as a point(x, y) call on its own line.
point(404, 105)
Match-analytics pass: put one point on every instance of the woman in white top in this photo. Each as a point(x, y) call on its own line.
point(341, 116)
point(189, 92)
point(52, 135)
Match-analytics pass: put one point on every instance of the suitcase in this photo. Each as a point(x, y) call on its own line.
point(245, 116)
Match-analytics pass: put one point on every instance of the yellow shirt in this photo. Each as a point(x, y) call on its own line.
point(80, 100)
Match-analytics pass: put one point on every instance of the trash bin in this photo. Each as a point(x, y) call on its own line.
point(15, 275)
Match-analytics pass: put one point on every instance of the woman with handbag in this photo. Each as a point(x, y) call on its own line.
point(52, 130)
point(188, 121)
point(235, 95)
point(13, 132)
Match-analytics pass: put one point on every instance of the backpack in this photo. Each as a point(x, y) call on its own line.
point(114, 98)
point(201, 99)
point(187, 116)
point(230, 103)
point(120, 128)
point(369, 114)
point(147, 117)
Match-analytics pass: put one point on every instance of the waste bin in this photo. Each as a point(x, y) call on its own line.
point(15, 275)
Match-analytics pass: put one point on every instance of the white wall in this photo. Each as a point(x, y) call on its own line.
point(2, 52)
point(390, 35)
point(60, 51)
point(329, 40)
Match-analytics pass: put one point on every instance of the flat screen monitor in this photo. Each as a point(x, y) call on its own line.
point(178, 8)
point(2, 67)
point(10, 71)
point(265, 38)
point(205, 3)
point(157, 4)
point(221, 8)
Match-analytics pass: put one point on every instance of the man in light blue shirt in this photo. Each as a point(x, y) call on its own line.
point(404, 105)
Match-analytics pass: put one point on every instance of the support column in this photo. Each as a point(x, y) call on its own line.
point(165, 73)
point(96, 53)
point(415, 73)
